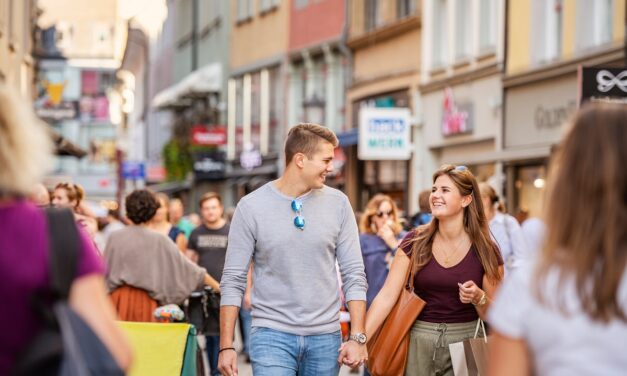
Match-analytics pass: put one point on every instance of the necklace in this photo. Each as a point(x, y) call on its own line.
point(448, 256)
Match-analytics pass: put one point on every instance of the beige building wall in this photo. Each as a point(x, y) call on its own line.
point(260, 37)
point(518, 20)
point(575, 17)
point(91, 29)
point(396, 56)
point(16, 62)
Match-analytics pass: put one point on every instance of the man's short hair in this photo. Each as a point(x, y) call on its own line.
point(208, 196)
point(305, 137)
point(423, 201)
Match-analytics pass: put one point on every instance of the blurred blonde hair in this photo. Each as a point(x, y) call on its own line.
point(372, 207)
point(25, 145)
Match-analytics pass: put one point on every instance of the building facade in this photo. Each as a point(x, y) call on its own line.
point(79, 48)
point(189, 103)
point(17, 66)
point(461, 92)
point(318, 70)
point(384, 38)
point(547, 42)
point(257, 92)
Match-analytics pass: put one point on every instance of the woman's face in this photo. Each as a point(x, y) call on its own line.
point(383, 214)
point(162, 212)
point(488, 208)
point(61, 200)
point(445, 199)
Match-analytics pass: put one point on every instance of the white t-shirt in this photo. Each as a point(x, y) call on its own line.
point(559, 344)
point(511, 241)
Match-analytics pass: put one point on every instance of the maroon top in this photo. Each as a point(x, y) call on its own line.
point(24, 269)
point(437, 286)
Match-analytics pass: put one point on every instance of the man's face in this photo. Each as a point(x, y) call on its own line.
point(316, 168)
point(176, 211)
point(211, 211)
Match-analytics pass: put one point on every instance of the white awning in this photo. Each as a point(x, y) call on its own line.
point(207, 79)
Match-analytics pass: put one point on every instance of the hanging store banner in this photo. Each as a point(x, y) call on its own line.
point(201, 135)
point(384, 134)
point(456, 117)
point(602, 84)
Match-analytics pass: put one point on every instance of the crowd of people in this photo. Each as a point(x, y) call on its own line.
point(553, 292)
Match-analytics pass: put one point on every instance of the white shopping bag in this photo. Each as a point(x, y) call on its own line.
point(458, 358)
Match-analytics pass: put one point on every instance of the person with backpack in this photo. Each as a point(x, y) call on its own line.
point(26, 255)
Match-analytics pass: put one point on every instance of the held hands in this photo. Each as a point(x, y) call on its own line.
point(352, 354)
point(469, 292)
point(227, 363)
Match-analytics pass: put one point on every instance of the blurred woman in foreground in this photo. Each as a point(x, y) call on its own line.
point(567, 314)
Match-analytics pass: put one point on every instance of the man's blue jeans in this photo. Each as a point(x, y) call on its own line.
point(275, 353)
point(213, 349)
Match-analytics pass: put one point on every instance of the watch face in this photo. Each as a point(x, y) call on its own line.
point(361, 338)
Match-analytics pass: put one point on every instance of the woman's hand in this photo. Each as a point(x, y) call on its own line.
point(469, 292)
point(386, 233)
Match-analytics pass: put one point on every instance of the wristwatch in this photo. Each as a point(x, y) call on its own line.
point(359, 338)
point(482, 301)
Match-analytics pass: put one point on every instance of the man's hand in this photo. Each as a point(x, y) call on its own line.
point(352, 354)
point(227, 363)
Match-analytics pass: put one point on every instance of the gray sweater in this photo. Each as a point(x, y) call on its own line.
point(295, 281)
point(145, 259)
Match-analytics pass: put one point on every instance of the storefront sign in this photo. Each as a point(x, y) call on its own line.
point(553, 117)
point(536, 112)
point(250, 158)
point(456, 119)
point(63, 111)
point(209, 165)
point(201, 135)
point(384, 134)
point(133, 170)
point(603, 84)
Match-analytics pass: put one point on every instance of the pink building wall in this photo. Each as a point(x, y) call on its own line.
point(317, 22)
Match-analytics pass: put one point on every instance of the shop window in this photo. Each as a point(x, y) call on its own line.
point(530, 185)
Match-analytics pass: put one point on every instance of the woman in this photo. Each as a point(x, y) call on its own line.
point(381, 232)
point(161, 223)
point(505, 230)
point(457, 268)
point(69, 195)
point(567, 313)
point(25, 155)
point(146, 269)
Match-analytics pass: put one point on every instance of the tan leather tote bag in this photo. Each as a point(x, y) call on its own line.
point(387, 349)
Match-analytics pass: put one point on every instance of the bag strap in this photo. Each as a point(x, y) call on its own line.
point(409, 278)
point(63, 250)
point(485, 335)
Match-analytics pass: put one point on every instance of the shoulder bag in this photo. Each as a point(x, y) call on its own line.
point(387, 349)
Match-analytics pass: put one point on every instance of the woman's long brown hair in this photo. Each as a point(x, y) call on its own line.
point(475, 225)
point(586, 214)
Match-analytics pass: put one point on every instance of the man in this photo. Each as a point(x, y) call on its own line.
point(295, 229)
point(208, 241)
point(424, 214)
point(176, 217)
